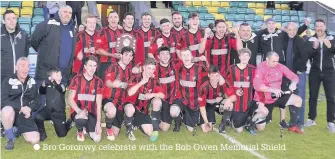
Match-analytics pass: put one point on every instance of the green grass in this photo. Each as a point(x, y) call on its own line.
point(316, 143)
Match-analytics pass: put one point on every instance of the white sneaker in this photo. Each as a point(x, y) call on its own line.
point(310, 123)
point(80, 136)
point(84, 131)
point(331, 127)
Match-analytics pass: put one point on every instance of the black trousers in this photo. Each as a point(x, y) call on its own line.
point(153, 4)
point(77, 15)
point(58, 119)
point(315, 79)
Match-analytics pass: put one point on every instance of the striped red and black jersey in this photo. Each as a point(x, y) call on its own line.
point(188, 84)
point(242, 79)
point(218, 52)
point(86, 92)
point(117, 95)
point(172, 41)
point(84, 43)
point(108, 43)
point(138, 99)
point(192, 41)
point(181, 32)
point(167, 78)
point(139, 51)
point(208, 93)
point(148, 37)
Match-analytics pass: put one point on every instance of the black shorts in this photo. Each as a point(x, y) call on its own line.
point(102, 69)
point(140, 119)
point(91, 121)
point(58, 118)
point(24, 125)
point(210, 111)
point(119, 117)
point(190, 117)
point(239, 119)
point(280, 102)
point(165, 113)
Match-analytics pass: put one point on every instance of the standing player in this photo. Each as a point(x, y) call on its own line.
point(166, 73)
point(219, 47)
point(85, 99)
point(241, 78)
point(107, 48)
point(147, 33)
point(144, 91)
point(212, 94)
point(177, 21)
point(166, 38)
point(86, 43)
point(128, 27)
point(117, 76)
point(194, 36)
point(267, 83)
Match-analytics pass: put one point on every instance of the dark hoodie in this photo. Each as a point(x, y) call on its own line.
point(13, 47)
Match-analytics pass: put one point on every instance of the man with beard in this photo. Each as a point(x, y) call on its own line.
point(219, 47)
point(86, 43)
point(14, 44)
point(322, 69)
point(166, 38)
point(249, 41)
point(114, 93)
point(85, 99)
point(147, 33)
point(107, 48)
point(177, 21)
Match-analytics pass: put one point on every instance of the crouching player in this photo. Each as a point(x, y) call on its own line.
point(166, 73)
point(117, 76)
point(85, 99)
point(55, 105)
point(189, 77)
point(144, 91)
point(245, 110)
point(212, 97)
point(19, 98)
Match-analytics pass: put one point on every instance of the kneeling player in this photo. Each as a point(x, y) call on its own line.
point(19, 98)
point(241, 78)
point(143, 92)
point(212, 97)
point(166, 73)
point(55, 105)
point(117, 76)
point(188, 83)
point(85, 99)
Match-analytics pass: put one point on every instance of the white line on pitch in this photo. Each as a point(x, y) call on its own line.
point(233, 141)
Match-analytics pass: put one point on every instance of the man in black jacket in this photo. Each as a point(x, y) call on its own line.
point(296, 60)
point(250, 41)
point(272, 39)
point(54, 40)
point(55, 105)
point(14, 44)
point(19, 98)
point(322, 59)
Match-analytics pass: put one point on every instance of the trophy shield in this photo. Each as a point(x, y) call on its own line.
point(125, 40)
